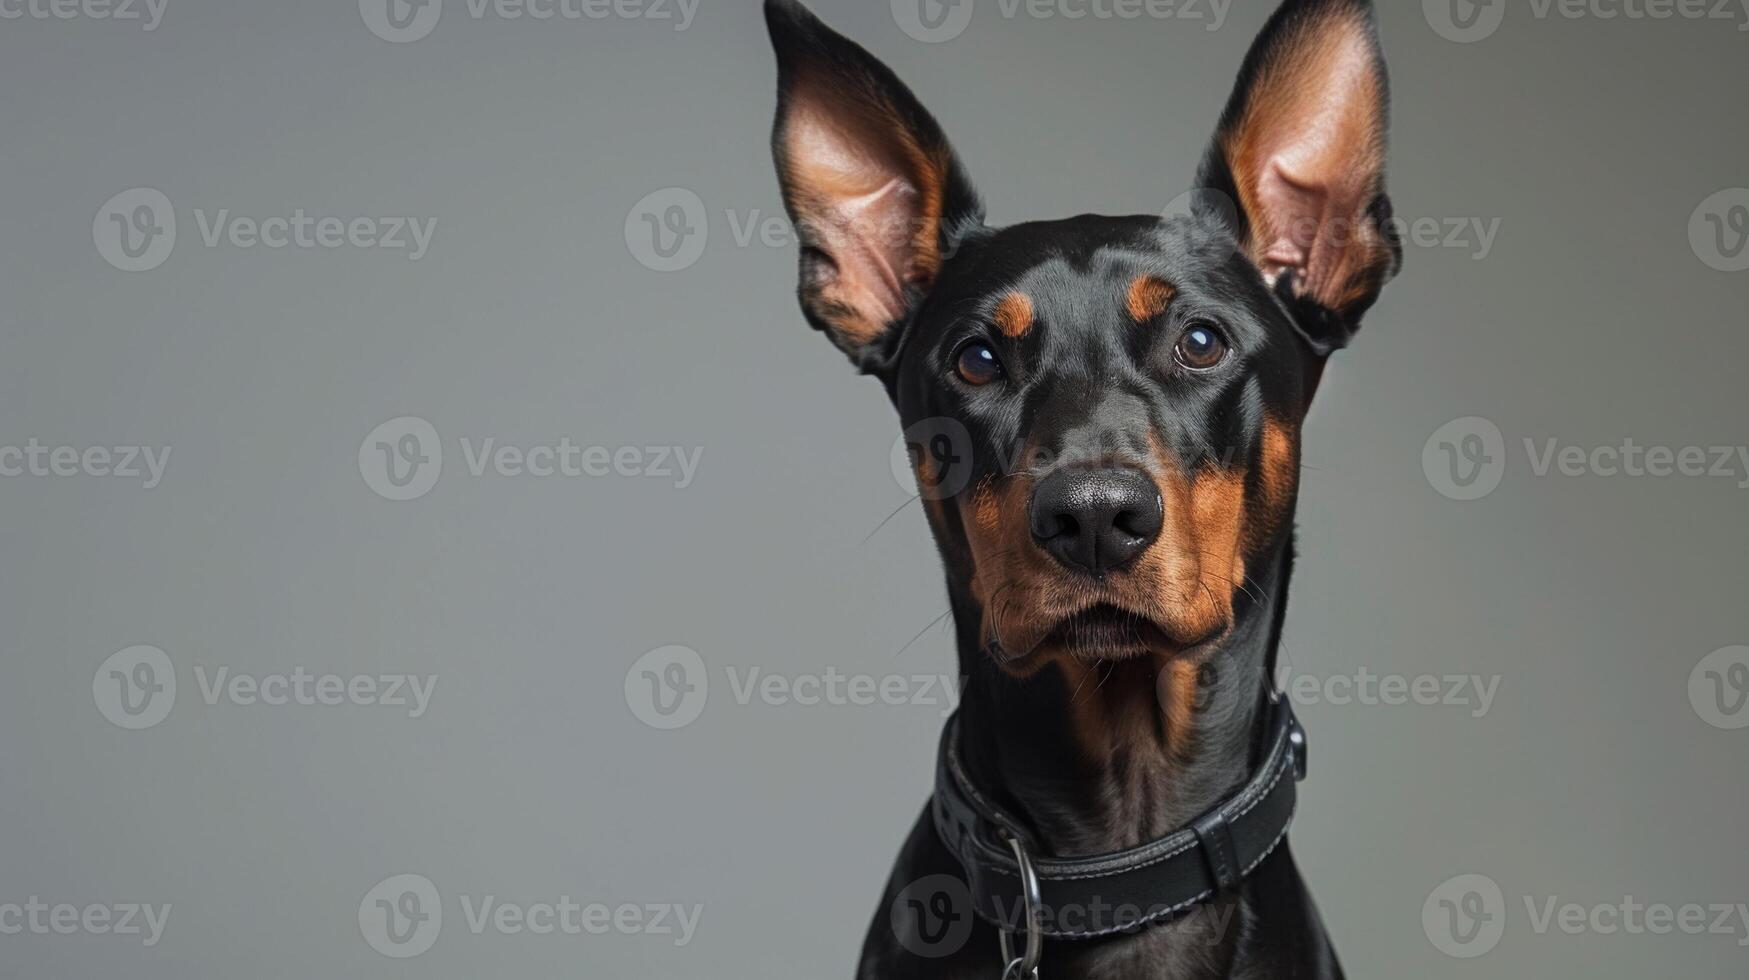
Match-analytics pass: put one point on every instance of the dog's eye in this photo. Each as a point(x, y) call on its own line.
point(1201, 347)
point(976, 364)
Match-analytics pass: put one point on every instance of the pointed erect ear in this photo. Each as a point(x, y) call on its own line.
point(1301, 148)
point(871, 184)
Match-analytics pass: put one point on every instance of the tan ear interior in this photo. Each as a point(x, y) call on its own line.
point(1307, 156)
point(869, 195)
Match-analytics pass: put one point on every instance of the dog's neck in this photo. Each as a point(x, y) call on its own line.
point(1102, 757)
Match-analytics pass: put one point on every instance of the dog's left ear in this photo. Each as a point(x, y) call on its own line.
point(877, 197)
point(1301, 149)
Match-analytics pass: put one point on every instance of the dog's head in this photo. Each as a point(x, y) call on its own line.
point(1107, 410)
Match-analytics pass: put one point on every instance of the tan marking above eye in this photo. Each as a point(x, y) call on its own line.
point(1014, 315)
point(1149, 297)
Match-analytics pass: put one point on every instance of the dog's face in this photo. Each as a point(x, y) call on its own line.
point(1105, 411)
point(1129, 396)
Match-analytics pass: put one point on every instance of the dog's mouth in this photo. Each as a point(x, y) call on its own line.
point(1107, 632)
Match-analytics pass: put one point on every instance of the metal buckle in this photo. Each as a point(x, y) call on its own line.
point(1025, 966)
point(1296, 740)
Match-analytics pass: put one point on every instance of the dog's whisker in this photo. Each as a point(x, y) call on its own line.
point(1108, 674)
point(889, 518)
point(1075, 698)
point(939, 619)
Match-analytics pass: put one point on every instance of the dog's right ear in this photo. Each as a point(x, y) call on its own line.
point(877, 197)
point(1301, 150)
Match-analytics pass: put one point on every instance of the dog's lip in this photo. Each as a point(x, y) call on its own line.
point(1111, 631)
point(1108, 631)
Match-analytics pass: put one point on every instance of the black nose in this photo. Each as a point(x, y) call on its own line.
point(1096, 521)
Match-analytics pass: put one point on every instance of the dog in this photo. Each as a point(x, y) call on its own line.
point(1106, 416)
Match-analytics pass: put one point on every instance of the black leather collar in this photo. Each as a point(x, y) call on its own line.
point(1087, 898)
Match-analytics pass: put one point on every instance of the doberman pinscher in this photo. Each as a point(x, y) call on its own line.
point(1107, 415)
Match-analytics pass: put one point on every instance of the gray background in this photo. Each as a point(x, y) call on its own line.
point(1592, 598)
